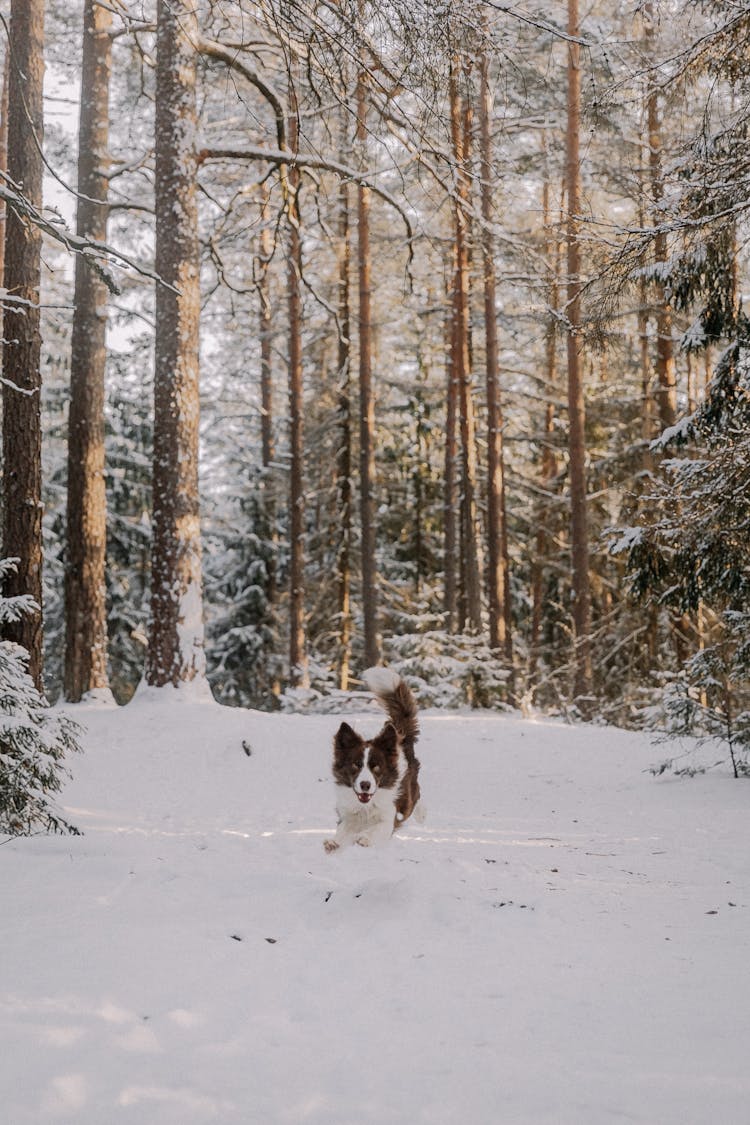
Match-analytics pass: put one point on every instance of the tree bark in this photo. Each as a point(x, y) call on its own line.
point(469, 554)
point(344, 450)
point(297, 653)
point(576, 405)
point(3, 167)
point(22, 432)
point(553, 252)
point(666, 385)
point(450, 489)
point(85, 587)
point(500, 623)
point(175, 652)
point(366, 401)
point(265, 317)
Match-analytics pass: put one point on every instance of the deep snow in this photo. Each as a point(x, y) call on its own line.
point(564, 942)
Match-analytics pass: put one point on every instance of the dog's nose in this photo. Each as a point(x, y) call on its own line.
point(364, 786)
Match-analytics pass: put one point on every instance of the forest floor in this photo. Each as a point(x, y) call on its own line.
point(564, 942)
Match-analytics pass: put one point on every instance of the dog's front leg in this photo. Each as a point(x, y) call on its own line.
point(376, 834)
point(346, 835)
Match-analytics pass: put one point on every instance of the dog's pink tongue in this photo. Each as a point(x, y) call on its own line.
point(364, 797)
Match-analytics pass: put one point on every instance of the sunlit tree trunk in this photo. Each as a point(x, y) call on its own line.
point(579, 536)
point(85, 588)
point(469, 554)
point(450, 489)
point(297, 648)
point(666, 384)
point(175, 651)
point(22, 432)
point(500, 625)
point(541, 547)
point(266, 386)
point(366, 401)
point(344, 451)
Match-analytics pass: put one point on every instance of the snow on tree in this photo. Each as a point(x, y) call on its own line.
point(34, 739)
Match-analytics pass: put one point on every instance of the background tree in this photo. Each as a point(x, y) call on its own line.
point(22, 428)
point(579, 533)
point(175, 652)
point(85, 588)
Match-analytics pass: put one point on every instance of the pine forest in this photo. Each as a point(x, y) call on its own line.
point(339, 333)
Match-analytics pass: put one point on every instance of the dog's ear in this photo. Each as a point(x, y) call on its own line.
point(346, 738)
point(387, 740)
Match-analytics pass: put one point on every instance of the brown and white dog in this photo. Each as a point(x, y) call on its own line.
point(376, 779)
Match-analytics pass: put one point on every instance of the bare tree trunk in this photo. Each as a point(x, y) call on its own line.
point(666, 389)
point(297, 649)
point(344, 452)
point(500, 621)
point(549, 463)
point(450, 491)
point(3, 168)
point(469, 554)
point(366, 401)
point(266, 387)
point(175, 652)
point(86, 542)
point(22, 432)
point(579, 544)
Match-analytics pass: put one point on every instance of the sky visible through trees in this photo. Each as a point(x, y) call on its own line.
point(399, 332)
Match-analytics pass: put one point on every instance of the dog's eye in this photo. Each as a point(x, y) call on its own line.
point(376, 769)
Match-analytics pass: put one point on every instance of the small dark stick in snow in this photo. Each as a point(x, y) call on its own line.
point(247, 747)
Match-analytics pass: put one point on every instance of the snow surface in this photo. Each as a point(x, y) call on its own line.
point(565, 942)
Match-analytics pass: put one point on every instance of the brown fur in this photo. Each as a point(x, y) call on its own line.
point(401, 708)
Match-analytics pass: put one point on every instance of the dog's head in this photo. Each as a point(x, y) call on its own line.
point(365, 765)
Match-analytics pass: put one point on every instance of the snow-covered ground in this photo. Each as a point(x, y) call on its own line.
point(564, 942)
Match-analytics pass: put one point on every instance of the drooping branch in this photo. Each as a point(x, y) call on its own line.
point(284, 158)
point(96, 252)
point(215, 50)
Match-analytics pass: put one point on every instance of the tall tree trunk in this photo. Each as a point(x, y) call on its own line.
point(175, 652)
point(666, 388)
point(469, 554)
point(366, 401)
point(297, 649)
point(22, 431)
point(579, 539)
point(552, 253)
point(501, 636)
point(450, 489)
point(344, 450)
point(266, 387)
point(3, 168)
point(85, 587)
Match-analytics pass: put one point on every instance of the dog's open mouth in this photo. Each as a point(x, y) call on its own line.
point(363, 798)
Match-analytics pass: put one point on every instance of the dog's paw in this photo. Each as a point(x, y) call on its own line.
point(363, 841)
point(330, 846)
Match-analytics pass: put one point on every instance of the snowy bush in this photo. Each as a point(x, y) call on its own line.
point(450, 670)
point(33, 738)
point(710, 699)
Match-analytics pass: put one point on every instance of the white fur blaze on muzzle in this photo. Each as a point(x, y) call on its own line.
point(365, 785)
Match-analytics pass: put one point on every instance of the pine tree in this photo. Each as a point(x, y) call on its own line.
point(175, 652)
point(33, 738)
point(85, 589)
point(22, 432)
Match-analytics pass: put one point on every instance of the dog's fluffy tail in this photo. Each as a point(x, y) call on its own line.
point(397, 701)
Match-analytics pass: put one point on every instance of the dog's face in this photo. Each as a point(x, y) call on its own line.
point(365, 765)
